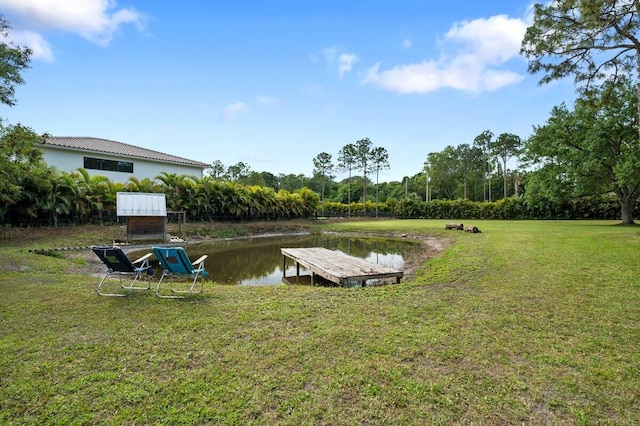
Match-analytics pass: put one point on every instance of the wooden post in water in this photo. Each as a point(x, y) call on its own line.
point(284, 267)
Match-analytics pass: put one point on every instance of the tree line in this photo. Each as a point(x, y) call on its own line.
point(585, 152)
point(360, 156)
point(34, 192)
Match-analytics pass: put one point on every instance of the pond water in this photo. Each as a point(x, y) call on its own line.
point(258, 261)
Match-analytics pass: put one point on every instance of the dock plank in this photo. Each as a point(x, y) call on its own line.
point(338, 267)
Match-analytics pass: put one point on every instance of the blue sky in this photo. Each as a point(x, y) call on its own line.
point(274, 83)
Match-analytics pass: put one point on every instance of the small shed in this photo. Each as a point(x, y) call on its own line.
point(146, 215)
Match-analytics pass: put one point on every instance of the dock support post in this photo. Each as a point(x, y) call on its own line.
point(284, 266)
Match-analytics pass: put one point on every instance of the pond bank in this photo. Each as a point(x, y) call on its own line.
point(75, 241)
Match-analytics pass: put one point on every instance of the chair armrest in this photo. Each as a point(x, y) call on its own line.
point(200, 260)
point(143, 258)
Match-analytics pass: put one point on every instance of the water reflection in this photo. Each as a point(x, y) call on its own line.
point(258, 261)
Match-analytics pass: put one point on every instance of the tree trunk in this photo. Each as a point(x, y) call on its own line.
point(464, 186)
point(504, 171)
point(377, 190)
point(349, 191)
point(364, 204)
point(489, 188)
point(323, 195)
point(638, 72)
point(626, 209)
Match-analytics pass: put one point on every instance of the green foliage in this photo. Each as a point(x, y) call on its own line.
point(588, 40)
point(337, 209)
point(347, 160)
point(78, 197)
point(595, 207)
point(292, 182)
point(590, 150)
point(20, 162)
point(504, 147)
point(323, 166)
point(446, 172)
point(239, 172)
point(13, 60)
point(49, 196)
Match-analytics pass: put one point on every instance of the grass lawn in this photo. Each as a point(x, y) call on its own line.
point(532, 322)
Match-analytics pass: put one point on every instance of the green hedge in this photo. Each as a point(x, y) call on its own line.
point(604, 207)
point(335, 209)
point(601, 207)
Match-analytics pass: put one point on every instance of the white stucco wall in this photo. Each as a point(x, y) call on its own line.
point(69, 161)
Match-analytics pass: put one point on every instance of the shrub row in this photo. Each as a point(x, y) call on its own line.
point(603, 207)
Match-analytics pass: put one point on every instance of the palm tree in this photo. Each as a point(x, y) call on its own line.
point(205, 195)
point(81, 191)
point(179, 189)
point(310, 201)
point(98, 190)
point(58, 197)
point(141, 185)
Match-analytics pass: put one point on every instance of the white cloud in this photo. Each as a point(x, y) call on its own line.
point(496, 39)
point(231, 111)
point(40, 47)
point(95, 20)
point(266, 100)
point(337, 59)
point(470, 60)
point(330, 54)
point(406, 43)
point(345, 63)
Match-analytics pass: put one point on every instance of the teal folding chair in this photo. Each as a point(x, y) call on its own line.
point(176, 263)
point(119, 265)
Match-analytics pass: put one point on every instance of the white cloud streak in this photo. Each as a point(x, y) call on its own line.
point(40, 47)
point(95, 20)
point(470, 60)
point(345, 63)
point(340, 61)
point(267, 100)
point(231, 111)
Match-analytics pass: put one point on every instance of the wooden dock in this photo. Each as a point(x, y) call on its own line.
point(336, 267)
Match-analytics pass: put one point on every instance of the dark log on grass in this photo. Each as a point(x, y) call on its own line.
point(458, 226)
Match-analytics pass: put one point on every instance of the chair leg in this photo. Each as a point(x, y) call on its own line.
point(164, 296)
point(201, 283)
point(172, 288)
point(100, 293)
point(193, 284)
point(131, 285)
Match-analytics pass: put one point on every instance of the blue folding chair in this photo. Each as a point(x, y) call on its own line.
point(119, 265)
point(176, 262)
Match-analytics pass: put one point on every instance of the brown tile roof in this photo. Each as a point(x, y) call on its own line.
point(118, 148)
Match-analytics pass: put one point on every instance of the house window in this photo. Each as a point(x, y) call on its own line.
point(110, 165)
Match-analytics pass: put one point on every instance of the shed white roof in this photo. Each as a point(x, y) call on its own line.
point(141, 204)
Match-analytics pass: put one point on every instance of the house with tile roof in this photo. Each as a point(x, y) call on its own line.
point(116, 160)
